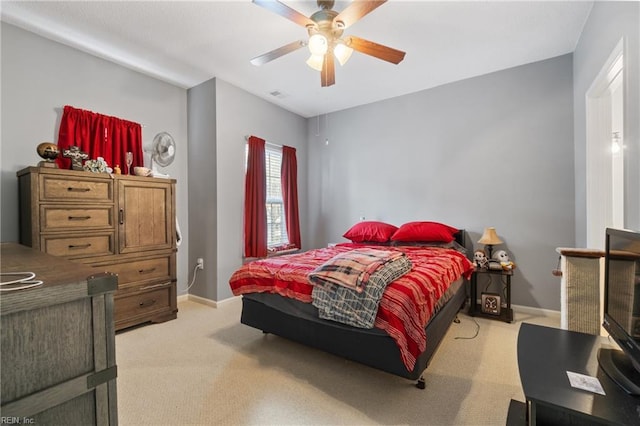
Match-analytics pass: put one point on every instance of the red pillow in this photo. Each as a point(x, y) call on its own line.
point(425, 231)
point(370, 231)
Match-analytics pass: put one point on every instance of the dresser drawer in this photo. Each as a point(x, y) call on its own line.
point(73, 246)
point(60, 218)
point(144, 303)
point(60, 188)
point(139, 271)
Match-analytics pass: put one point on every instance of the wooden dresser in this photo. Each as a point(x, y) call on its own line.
point(57, 343)
point(121, 224)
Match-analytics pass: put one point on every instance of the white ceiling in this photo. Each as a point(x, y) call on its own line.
point(187, 43)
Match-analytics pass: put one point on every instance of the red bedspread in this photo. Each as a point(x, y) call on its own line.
point(406, 305)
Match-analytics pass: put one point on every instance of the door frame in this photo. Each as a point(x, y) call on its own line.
point(599, 179)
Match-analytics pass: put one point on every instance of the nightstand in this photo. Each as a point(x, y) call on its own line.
point(492, 305)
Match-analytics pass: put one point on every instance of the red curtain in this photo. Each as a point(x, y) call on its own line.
point(289, 175)
point(99, 136)
point(255, 200)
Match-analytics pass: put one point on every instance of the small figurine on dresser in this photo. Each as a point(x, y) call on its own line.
point(480, 259)
point(77, 157)
point(502, 257)
point(49, 152)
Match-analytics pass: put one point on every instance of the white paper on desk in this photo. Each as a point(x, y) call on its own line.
point(588, 383)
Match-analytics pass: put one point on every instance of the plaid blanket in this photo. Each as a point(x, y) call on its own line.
point(406, 305)
point(352, 269)
point(359, 309)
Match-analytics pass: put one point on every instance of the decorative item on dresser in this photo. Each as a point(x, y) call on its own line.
point(49, 152)
point(116, 223)
point(57, 342)
point(77, 157)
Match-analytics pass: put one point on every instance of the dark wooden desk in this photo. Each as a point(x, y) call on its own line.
point(57, 342)
point(544, 357)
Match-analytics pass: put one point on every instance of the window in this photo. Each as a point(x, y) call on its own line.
point(276, 225)
point(271, 221)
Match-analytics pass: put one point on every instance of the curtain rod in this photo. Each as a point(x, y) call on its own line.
point(246, 138)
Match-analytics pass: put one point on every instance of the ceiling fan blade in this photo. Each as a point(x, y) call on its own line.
point(356, 10)
point(374, 49)
point(285, 11)
point(328, 74)
point(276, 53)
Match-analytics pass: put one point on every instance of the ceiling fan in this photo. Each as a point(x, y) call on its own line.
point(325, 28)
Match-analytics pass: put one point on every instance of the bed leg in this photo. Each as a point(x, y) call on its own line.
point(456, 319)
point(420, 384)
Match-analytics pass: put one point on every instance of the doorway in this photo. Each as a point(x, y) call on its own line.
point(605, 150)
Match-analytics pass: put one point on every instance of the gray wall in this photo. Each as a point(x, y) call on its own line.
point(495, 150)
point(40, 76)
point(607, 24)
point(237, 115)
point(203, 230)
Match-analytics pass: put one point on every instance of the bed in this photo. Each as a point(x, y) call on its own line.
point(277, 298)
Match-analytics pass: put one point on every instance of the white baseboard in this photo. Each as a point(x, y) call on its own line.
point(529, 310)
point(536, 311)
point(205, 301)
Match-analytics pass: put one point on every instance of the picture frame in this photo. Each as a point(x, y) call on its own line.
point(490, 303)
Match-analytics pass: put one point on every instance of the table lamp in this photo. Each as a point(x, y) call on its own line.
point(489, 239)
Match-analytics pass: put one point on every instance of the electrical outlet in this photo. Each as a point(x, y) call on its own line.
point(200, 263)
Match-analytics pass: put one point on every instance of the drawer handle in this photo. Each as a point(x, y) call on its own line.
point(81, 246)
point(147, 303)
point(79, 217)
point(72, 189)
point(154, 286)
point(146, 271)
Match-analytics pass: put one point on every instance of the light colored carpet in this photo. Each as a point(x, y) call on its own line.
point(205, 368)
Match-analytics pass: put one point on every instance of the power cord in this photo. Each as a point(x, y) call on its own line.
point(195, 273)
point(27, 281)
point(472, 337)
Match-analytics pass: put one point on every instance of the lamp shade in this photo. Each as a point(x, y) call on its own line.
point(342, 52)
point(318, 44)
point(490, 237)
point(316, 62)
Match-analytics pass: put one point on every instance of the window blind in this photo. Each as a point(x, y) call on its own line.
point(276, 226)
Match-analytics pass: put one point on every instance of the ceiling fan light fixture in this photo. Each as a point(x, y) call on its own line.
point(325, 29)
point(342, 52)
point(318, 44)
point(316, 62)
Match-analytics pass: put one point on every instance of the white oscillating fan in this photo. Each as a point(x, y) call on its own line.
point(163, 151)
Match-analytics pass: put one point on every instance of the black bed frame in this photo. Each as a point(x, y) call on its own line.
point(376, 350)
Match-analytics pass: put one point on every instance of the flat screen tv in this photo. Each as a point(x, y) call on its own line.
point(622, 309)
